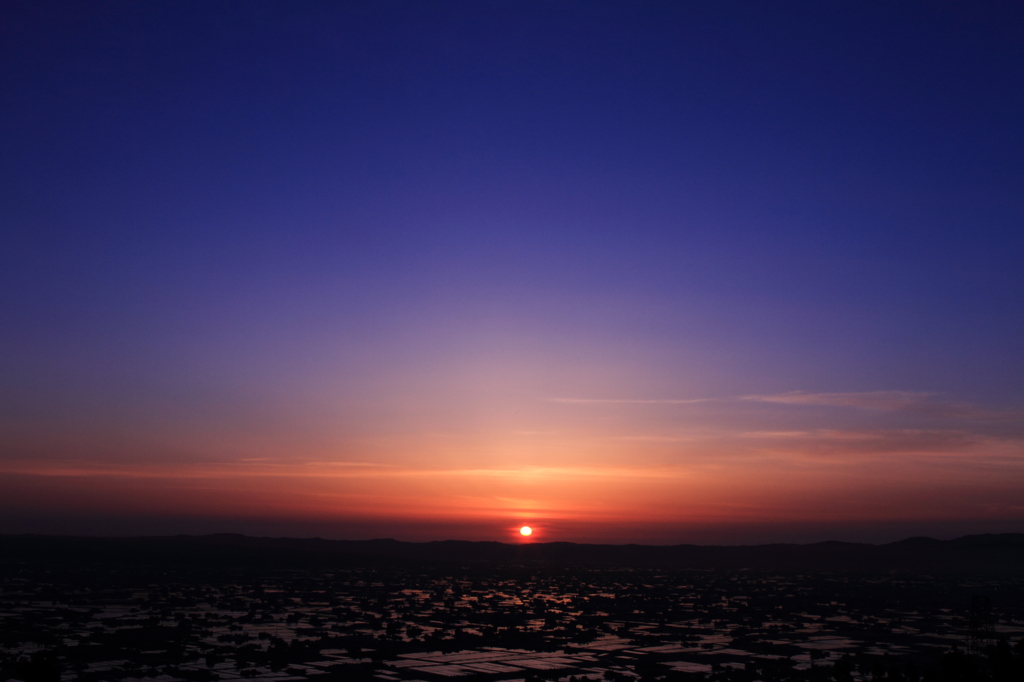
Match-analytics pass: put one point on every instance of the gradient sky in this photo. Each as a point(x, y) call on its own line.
point(625, 271)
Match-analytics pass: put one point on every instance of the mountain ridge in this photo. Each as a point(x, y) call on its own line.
point(1002, 553)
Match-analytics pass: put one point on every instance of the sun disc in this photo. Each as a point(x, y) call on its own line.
point(525, 530)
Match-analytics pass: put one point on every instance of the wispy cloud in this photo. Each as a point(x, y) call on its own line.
point(921, 402)
point(777, 434)
point(629, 401)
point(888, 401)
point(657, 439)
point(918, 402)
point(333, 463)
point(337, 470)
point(967, 446)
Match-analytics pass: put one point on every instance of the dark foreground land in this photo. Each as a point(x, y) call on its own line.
point(240, 608)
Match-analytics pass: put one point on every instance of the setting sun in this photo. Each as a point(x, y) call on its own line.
point(526, 530)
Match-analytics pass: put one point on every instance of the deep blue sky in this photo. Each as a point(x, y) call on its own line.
point(364, 219)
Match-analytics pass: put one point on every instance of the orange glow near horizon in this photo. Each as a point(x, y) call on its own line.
point(584, 484)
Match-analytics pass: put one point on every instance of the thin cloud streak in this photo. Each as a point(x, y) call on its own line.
point(918, 402)
point(896, 445)
point(869, 400)
point(313, 469)
point(923, 403)
point(874, 400)
point(628, 401)
point(657, 439)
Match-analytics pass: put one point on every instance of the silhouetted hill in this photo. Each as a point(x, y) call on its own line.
point(976, 553)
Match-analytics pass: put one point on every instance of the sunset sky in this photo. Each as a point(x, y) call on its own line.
point(654, 272)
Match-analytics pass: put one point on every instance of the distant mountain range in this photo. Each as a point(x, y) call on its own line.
point(1002, 553)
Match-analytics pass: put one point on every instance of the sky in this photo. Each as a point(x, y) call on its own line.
point(653, 272)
